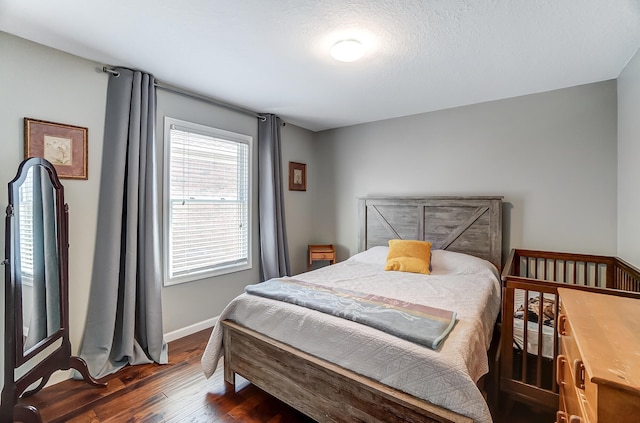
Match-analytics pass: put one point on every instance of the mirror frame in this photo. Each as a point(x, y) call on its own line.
point(58, 358)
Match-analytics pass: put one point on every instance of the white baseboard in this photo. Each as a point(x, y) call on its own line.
point(189, 330)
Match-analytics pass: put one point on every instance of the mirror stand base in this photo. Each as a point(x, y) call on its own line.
point(26, 413)
point(80, 365)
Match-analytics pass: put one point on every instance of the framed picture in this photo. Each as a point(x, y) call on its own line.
point(65, 146)
point(297, 176)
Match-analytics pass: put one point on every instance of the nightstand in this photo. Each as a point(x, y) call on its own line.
point(321, 252)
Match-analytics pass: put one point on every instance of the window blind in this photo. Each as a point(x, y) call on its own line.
point(25, 222)
point(208, 202)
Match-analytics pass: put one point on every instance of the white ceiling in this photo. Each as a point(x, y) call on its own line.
point(273, 55)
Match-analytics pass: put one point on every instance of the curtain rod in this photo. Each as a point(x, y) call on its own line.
point(191, 94)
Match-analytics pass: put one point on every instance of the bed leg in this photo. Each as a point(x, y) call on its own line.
point(229, 377)
point(229, 374)
point(506, 405)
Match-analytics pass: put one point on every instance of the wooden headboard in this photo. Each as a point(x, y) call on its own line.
point(470, 225)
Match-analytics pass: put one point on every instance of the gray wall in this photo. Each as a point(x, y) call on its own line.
point(551, 155)
point(43, 83)
point(298, 146)
point(628, 157)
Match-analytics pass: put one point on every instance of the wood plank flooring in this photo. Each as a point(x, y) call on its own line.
point(178, 392)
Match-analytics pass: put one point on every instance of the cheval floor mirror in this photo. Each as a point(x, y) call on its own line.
point(36, 289)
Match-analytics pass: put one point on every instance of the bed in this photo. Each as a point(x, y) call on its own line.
point(333, 369)
point(530, 281)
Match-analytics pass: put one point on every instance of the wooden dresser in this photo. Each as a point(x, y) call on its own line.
point(598, 368)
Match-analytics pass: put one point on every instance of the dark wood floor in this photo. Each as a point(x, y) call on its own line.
point(178, 392)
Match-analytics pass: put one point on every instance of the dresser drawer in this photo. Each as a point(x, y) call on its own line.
point(322, 256)
point(586, 392)
point(580, 393)
point(572, 401)
point(568, 345)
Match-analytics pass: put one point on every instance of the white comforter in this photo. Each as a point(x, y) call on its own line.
point(446, 377)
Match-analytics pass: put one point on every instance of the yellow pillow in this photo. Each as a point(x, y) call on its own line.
point(408, 264)
point(409, 256)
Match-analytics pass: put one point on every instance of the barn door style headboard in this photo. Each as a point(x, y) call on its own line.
point(470, 225)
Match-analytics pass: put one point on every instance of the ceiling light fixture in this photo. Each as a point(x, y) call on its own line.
point(347, 50)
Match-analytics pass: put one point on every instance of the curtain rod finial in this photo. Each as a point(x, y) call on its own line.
point(113, 72)
point(263, 118)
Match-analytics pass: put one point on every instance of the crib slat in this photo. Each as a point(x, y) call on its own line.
point(540, 327)
point(556, 341)
point(525, 337)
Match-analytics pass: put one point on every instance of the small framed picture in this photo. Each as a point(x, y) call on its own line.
point(297, 176)
point(64, 146)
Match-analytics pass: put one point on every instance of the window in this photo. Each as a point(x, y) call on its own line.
point(207, 201)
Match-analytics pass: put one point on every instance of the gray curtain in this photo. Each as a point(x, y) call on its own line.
point(274, 253)
point(124, 319)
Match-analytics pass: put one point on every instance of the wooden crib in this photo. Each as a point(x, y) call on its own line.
point(530, 300)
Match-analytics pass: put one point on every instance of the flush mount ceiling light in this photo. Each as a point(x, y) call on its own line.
point(347, 50)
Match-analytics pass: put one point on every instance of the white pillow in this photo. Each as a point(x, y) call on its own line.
point(452, 263)
point(442, 262)
point(374, 255)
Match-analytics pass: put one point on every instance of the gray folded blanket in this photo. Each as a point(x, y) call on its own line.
point(423, 325)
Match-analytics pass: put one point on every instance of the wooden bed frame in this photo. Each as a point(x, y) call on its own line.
point(327, 392)
point(530, 378)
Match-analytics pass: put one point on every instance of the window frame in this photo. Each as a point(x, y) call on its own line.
point(209, 131)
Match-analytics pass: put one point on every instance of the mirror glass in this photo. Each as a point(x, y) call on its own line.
point(38, 259)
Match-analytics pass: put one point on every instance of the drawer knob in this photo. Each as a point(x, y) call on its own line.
point(560, 362)
point(578, 370)
point(562, 325)
point(561, 417)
